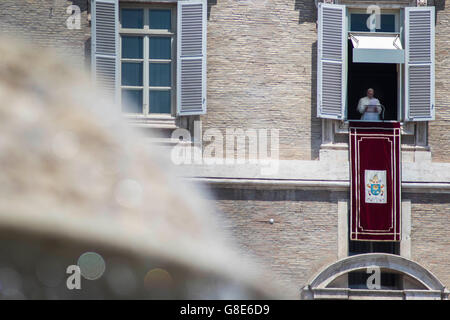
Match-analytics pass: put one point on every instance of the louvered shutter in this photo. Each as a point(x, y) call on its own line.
point(419, 77)
point(332, 55)
point(191, 57)
point(105, 45)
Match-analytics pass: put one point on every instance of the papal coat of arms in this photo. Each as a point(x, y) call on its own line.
point(375, 185)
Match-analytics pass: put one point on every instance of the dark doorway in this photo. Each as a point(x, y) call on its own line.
point(358, 279)
point(382, 77)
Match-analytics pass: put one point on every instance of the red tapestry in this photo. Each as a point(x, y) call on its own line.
point(375, 181)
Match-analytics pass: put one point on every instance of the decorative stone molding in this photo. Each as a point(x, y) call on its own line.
point(343, 211)
point(308, 175)
point(316, 2)
point(405, 243)
point(358, 294)
point(317, 287)
point(330, 128)
point(334, 132)
point(422, 3)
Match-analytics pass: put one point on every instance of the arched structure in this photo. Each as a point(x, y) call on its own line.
point(428, 286)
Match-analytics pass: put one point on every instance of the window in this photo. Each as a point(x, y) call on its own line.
point(358, 279)
point(359, 247)
point(402, 72)
point(388, 23)
point(374, 61)
point(153, 56)
point(384, 78)
point(147, 55)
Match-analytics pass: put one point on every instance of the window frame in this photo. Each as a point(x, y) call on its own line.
point(146, 33)
point(335, 131)
point(395, 12)
point(400, 67)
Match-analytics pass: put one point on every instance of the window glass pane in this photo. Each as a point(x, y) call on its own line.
point(132, 101)
point(159, 101)
point(160, 74)
point(160, 19)
point(359, 22)
point(131, 74)
point(358, 247)
point(358, 280)
point(160, 48)
point(132, 47)
point(132, 18)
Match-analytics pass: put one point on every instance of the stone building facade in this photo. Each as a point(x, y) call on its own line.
point(261, 58)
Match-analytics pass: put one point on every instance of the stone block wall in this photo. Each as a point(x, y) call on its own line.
point(262, 71)
point(430, 241)
point(439, 130)
point(44, 23)
point(302, 239)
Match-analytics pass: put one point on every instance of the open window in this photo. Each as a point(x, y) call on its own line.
point(384, 78)
point(395, 57)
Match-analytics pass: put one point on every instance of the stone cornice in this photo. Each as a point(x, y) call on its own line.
point(328, 175)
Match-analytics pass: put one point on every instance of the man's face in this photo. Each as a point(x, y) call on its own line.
point(370, 93)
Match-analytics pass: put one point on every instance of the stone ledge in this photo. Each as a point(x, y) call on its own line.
point(311, 185)
point(153, 121)
point(328, 175)
point(361, 294)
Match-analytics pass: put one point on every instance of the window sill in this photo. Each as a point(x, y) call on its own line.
point(157, 121)
point(344, 146)
point(341, 127)
point(334, 146)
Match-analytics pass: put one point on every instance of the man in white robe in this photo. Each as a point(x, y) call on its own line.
point(369, 107)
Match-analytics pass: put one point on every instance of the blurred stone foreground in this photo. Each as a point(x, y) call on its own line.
point(77, 187)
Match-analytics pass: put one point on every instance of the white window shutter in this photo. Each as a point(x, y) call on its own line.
point(331, 61)
point(419, 60)
point(105, 45)
point(191, 57)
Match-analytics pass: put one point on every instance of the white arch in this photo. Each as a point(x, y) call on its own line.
point(381, 260)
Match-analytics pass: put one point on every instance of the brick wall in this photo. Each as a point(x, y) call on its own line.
point(261, 64)
point(430, 241)
point(439, 130)
point(44, 23)
point(302, 239)
point(304, 236)
point(261, 71)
